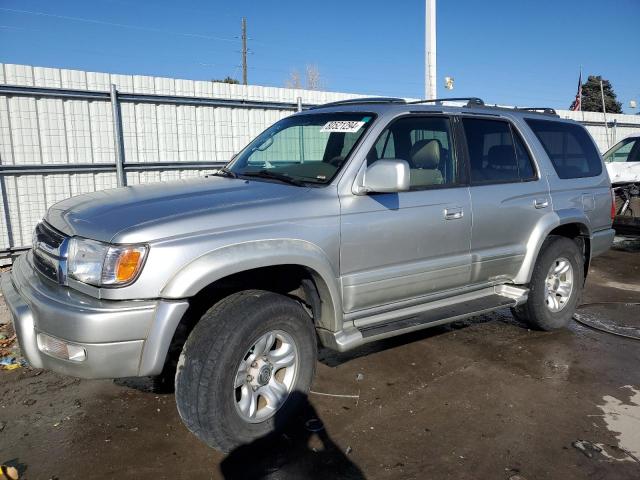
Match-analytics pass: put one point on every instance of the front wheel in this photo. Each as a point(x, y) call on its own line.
point(241, 365)
point(555, 287)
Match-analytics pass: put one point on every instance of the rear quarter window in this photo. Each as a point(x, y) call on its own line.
point(569, 148)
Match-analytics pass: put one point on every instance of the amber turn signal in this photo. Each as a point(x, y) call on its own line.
point(123, 264)
point(127, 265)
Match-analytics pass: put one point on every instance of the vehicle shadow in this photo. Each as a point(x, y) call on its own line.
point(298, 448)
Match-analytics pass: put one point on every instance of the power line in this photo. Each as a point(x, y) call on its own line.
point(118, 25)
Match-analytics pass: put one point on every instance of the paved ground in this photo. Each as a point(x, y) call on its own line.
point(485, 399)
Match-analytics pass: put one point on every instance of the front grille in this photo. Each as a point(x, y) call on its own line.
point(49, 251)
point(48, 236)
point(45, 265)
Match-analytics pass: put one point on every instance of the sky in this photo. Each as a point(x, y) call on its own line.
point(515, 52)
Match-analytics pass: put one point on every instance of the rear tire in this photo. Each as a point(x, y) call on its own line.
point(556, 285)
point(229, 382)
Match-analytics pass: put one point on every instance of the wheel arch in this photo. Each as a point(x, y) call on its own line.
point(258, 263)
point(569, 223)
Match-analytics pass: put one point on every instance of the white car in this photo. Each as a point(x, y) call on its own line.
point(623, 160)
point(623, 164)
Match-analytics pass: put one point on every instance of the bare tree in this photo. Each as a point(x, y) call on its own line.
point(294, 80)
point(313, 79)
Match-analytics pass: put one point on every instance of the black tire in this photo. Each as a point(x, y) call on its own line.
point(214, 349)
point(535, 311)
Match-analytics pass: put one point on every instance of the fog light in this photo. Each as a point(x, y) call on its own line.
point(60, 349)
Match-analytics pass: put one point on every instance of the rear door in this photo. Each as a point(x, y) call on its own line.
point(407, 245)
point(508, 197)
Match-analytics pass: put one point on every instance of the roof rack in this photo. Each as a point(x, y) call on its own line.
point(361, 101)
point(471, 101)
point(546, 110)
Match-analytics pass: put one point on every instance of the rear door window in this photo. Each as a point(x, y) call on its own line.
point(569, 148)
point(497, 154)
point(525, 164)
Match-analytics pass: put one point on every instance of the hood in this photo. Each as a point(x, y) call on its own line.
point(624, 172)
point(107, 214)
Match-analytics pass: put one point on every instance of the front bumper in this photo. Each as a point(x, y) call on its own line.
point(121, 338)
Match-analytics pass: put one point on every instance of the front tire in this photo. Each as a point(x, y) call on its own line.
point(240, 366)
point(555, 287)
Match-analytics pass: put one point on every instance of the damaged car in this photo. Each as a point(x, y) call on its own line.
point(623, 164)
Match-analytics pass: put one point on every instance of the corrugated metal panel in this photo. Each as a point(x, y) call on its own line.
point(595, 123)
point(48, 131)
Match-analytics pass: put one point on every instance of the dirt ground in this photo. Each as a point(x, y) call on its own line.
point(481, 399)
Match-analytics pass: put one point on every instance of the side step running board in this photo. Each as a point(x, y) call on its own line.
point(449, 313)
point(388, 323)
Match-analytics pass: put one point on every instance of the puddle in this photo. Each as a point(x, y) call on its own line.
point(622, 417)
point(629, 287)
point(618, 318)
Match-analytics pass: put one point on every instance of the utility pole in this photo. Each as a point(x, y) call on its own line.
point(430, 50)
point(244, 51)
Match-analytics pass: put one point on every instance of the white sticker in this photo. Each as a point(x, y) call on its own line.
point(347, 126)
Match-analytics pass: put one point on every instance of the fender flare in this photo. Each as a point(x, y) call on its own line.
point(240, 257)
point(542, 231)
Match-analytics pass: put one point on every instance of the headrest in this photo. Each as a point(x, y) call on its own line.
point(502, 157)
point(426, 154)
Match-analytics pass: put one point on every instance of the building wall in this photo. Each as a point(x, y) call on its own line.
point(43, 131)
point(46, 131)
point(620, 126)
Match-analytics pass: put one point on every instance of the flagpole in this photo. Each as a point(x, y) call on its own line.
point(604, 112)
point(580, 88)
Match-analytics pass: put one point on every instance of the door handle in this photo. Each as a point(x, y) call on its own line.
point(453, 213)
point(541, 203)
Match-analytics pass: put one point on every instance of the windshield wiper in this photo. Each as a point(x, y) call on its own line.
point(275, 176)
point(225, 172)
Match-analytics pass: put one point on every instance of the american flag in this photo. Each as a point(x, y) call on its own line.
point(577, 103)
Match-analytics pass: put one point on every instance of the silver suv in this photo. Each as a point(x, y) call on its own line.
point(340, 225)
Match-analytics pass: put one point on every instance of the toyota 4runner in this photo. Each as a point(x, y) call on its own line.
point(340, 225)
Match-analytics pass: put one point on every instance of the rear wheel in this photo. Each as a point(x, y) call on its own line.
point(555, 287)
point(240, 366)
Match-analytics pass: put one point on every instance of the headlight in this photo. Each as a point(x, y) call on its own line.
point(101, 264)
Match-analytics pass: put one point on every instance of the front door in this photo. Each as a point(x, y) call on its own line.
point(401, 246)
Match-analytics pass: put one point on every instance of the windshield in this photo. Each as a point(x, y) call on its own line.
point(303, 148)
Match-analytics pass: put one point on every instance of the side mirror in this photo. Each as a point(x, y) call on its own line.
point(386, 176)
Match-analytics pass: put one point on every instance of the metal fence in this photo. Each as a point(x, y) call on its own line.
point(68, 132)
point(618, 126)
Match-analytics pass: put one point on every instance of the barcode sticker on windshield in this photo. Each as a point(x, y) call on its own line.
point(347, 126)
